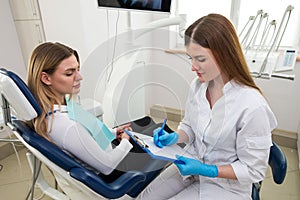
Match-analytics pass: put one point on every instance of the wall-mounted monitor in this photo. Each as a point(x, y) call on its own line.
point(146, 5)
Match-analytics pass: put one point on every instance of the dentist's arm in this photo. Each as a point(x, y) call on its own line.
point(226, 171)
point(182, 136)
point(189, 166)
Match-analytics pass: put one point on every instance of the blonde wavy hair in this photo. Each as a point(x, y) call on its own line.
point(45, 58)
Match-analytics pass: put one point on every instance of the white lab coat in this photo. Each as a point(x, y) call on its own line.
point(76, 140)
point(236, 131)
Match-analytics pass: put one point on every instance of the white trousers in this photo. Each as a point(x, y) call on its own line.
point(171, 185)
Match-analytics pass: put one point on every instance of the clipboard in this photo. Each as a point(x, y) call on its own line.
point(167, 153)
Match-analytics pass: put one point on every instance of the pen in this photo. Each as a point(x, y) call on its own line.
point(179, 162)
point(162, 127)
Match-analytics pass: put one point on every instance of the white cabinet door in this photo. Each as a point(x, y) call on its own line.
point(30, 35)
point(25, 9)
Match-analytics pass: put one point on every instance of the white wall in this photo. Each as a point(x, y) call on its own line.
point(62, 21)
point(10, 51)
point(169, 74)
point(284, 98)
point(84, 26)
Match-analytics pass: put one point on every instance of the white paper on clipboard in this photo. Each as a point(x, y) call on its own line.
point(167, 153)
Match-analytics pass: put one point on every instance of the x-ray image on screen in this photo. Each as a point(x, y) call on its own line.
point(153, 5)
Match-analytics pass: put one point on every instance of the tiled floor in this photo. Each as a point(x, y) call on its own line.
point(15, 179)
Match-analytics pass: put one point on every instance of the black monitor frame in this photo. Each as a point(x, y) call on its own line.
point(165, 6)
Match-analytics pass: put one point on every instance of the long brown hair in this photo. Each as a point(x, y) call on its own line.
point(45, 58)
point(217, 33)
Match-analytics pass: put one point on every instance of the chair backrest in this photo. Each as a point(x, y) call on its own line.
point(16, 94)
point(278, 164)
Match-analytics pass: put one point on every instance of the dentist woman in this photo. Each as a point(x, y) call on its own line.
point(227, 124)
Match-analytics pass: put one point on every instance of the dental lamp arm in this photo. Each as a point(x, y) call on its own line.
point(177, 20)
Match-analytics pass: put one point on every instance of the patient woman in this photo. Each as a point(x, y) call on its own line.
point(53, 74)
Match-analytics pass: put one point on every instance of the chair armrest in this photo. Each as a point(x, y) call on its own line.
point(113, 190)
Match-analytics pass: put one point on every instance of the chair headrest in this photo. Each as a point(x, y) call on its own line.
point(16, 92)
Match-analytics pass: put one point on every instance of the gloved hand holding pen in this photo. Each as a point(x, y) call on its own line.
point(189, 166)
point(162, 138)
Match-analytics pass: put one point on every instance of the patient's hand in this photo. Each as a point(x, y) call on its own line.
point(120, 131)
point(125, 136)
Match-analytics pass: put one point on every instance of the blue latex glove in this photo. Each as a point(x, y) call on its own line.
point(189, 166)
point(162, 138)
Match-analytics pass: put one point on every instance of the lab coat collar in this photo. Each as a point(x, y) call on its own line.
point(59, 108)
point(227, 87)
point(230, 86)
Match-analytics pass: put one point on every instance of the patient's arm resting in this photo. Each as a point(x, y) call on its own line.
point(112, 190)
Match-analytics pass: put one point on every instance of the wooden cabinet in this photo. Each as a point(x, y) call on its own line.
point(26, 15)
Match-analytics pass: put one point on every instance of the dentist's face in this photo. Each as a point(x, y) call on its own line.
point(66, 79)
point(203, 62)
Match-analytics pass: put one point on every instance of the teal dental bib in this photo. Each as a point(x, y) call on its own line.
point(98, 130)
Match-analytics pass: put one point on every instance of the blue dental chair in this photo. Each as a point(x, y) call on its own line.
point(17, 98)
point(278, 164)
